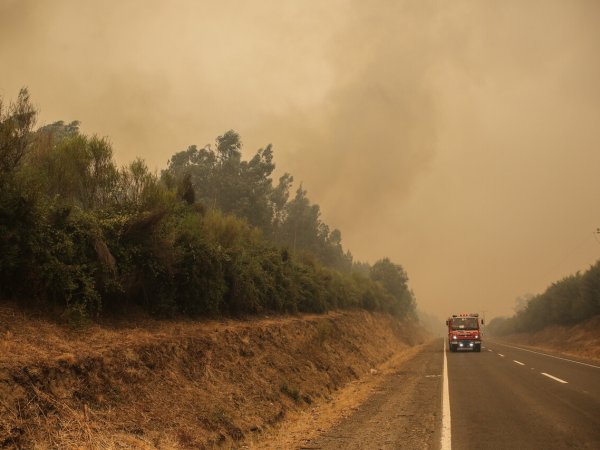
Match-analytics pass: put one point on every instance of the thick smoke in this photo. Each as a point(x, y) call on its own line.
point(363, 146)
point(459, 138)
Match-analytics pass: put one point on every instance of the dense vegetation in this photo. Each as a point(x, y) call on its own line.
point(569, 301)
point(212, 235)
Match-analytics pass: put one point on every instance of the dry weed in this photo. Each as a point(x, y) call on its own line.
point(168, 385)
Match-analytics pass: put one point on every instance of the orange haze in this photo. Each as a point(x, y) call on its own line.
point(461, 139)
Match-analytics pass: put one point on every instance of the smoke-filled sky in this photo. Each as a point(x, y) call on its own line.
point(460, 138)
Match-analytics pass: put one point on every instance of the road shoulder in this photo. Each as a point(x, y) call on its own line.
point(396, 406)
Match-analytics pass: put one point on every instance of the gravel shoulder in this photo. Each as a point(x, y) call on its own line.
point(398, 407)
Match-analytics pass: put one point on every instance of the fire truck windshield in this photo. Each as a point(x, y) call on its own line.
point(464, 323)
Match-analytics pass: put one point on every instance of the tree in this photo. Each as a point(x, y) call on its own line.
point(16, 122)
point(300, 229)
point(186, 190)
point(590, 293)
point(362, 268)
point(138, 188)
point(78, 169)
point(257, 188)
point(521, 302)
point(78, 233)
point(222, 180)
point(279, 197)
point(303, 230)
point(394, 279)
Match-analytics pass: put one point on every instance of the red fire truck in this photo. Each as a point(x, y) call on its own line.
point(464, 332)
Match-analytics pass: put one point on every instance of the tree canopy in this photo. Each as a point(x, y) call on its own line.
point(569, 301)
point(212, 235)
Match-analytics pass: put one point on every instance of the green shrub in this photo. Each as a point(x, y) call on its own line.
point(80, 234)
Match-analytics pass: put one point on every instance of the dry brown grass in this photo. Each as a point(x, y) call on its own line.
point(306, 424)
point(582, 340)
point(163, 385)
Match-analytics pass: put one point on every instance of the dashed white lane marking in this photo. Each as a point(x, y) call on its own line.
point(489, 350)
point(500, 354)
point(446, 443)
point(554, 378)
point(518, 362)
point(550, 356)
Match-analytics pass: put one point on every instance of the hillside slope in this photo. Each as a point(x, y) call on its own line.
point(581, 340)
point(179, 384)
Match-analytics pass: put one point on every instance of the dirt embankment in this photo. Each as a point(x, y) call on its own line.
point(582, 340)
point(179, 385)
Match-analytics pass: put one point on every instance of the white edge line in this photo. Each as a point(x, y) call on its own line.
point(550, 356)
point(446, 439)
point(518, 362)
point(554, 378)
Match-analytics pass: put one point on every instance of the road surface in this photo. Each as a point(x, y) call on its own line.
point(502, 398)
point(507, 397)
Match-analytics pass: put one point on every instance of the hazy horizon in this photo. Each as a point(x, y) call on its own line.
point(461, 139)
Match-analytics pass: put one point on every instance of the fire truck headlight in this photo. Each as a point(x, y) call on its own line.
point(476, 336)
point(453, 337)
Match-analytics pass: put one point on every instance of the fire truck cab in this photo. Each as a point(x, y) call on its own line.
point(464, 332)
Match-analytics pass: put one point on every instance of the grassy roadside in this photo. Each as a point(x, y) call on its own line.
point(180, 384)
point(581, 340)
point(306, 424)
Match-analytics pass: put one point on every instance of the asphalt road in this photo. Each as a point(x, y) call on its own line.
point(502, 398)
point(511, 398)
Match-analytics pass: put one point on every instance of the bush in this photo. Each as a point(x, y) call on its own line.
point(569, 301)
point(80, 234)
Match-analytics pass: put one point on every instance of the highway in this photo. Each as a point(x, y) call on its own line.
point(503, 398)
point(512, 398)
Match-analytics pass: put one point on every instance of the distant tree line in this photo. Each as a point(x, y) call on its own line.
point(211, 235)
point(572, 300)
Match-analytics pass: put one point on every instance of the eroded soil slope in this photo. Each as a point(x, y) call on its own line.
point(179, 385)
